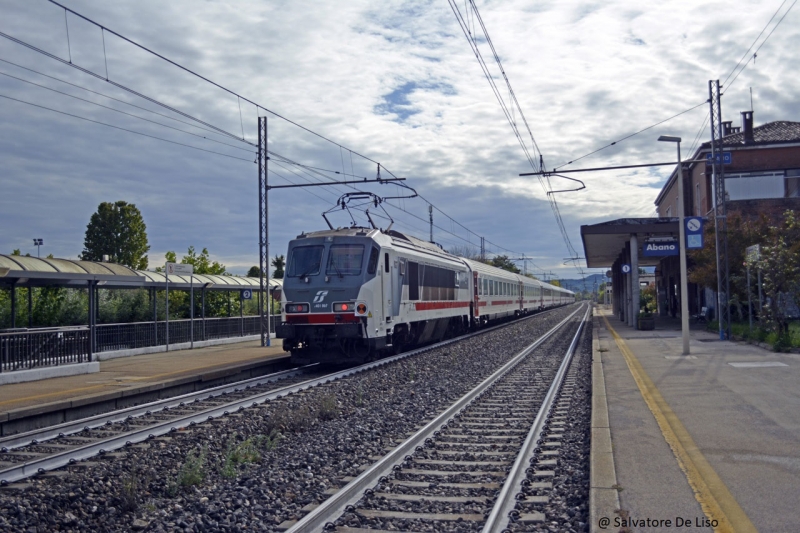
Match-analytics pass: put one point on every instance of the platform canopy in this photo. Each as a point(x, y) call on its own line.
point(26, 271)
point(604, 242)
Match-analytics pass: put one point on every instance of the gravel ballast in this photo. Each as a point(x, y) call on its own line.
point(255, 469)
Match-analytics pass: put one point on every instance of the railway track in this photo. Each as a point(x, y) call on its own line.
point(35, 452)
point(484, 462)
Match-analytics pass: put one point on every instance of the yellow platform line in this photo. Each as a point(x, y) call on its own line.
point(710, 491)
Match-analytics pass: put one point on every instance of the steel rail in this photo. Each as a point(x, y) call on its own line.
point(96, 421)
point(337, 504)
point(38, 436)
point(39, 465)
point(503, 509)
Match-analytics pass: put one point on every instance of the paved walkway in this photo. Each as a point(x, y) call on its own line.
point(710, 436)
point(140, 371)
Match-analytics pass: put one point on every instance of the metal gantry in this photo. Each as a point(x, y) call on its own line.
point(263, 229)
point(720, 215)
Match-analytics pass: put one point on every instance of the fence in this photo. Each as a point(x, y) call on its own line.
point(43, 347)
point(32, 348)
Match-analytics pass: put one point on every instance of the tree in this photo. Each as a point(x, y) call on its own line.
point(554, 282)
point(279, 262)
point(780, 254)
point(202, 263)
point(504, 262)
point(117, 230)
point(467, 251)
point(254, 272)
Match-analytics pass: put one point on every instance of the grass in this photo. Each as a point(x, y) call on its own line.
point(248, 451)
point(193, 470)
point(328, 408)
point(758, 334)
point(130, 492)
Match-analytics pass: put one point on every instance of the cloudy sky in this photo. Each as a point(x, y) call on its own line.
point(396, 82)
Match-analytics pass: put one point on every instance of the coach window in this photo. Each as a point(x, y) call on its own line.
point(386, 263)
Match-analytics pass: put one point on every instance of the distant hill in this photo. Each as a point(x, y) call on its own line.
point(580, 285)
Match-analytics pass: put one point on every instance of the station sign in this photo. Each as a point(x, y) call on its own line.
point(179, 268)
point(660, 248)
point(753, 253)
point(626, 269)
point(247, 294)
point(694, 232)
point(727, 158)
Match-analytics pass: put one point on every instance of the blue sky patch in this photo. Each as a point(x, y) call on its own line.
point(397, 102)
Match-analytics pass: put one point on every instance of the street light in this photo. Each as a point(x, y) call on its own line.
point(37, 243)
point(682, 247)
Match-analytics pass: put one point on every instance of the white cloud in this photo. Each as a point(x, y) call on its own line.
point(395, 82)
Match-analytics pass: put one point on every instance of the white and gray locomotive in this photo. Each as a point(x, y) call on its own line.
point(350, 295)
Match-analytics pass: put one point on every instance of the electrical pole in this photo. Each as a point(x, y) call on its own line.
point(430, 215)
point(263, 230)
point(721, 220)
point(483, 250)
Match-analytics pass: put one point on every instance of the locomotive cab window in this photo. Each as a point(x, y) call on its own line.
point(345, 260)
point(372, 266)
point(305, 261)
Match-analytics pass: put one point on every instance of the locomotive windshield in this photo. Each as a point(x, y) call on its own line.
point(305, 261)
point(345, 260)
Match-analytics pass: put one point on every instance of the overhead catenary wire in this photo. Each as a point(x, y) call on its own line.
point(211, 127)
point(123, 129)
point(535, 163)
point(124, 113)
point(192, 124)
point(752, 57)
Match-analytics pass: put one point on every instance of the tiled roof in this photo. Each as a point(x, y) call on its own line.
point(780, 131)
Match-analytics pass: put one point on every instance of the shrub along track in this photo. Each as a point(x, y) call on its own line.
point(260, 467)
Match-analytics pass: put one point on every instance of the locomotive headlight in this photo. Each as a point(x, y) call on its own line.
point(361, 309)
point(343, 307)
point(297, 308)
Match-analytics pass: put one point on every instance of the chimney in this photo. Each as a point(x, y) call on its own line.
point(726, 127)
point(105, 258)
point(735, 129)
point(747, 127)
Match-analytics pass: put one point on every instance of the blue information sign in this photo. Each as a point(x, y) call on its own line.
point(727, 158)
point(694, 232)
point(626, 269)
point(660, 248)
point(247, 294)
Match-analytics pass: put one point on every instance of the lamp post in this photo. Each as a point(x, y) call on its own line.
point(37, 243)
point(682, 247)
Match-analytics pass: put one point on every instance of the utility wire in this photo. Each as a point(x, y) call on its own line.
point(123, 112)
point(629, 136)
point(190, 117)
point(123, 129)
point(510, 115)
point(756, 40)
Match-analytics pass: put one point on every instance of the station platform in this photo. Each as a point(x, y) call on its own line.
point(134, 379)
point(688, 440)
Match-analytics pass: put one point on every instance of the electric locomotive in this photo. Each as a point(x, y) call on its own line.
point(351, 294)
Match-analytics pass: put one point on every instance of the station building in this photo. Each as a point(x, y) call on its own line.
point(762, 177)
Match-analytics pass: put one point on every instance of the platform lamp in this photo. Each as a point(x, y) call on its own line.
point(682, 247)
point(37, 243)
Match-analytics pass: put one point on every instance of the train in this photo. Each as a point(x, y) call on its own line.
point(355, 294)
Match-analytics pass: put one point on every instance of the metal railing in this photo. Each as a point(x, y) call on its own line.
point(29, 349)
point(33, 348)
